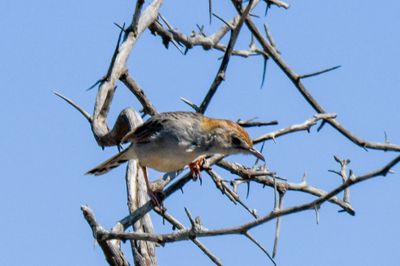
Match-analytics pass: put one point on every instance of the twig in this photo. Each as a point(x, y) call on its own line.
point(129, 82)
point(220, 76)
point(269, 37)
point(343, 175)
point(258, 244)
point(172, 220)
point(249, 123)
point(297, 127)
point(207, 42)
point(278, 226)
point(112, 252)
point(232, 196)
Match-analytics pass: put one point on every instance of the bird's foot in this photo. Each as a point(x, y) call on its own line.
point(157, 198)
point(196, 167)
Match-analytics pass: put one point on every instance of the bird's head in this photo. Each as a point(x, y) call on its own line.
point(230, 138)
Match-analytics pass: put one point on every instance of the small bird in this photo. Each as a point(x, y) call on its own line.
point(169, 141)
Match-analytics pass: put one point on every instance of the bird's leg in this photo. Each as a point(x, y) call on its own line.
point(196, 167)
point(155, 196)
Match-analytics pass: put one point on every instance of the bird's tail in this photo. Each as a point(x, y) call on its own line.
point(113, 162)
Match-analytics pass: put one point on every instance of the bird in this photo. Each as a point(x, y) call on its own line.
point(169, 141)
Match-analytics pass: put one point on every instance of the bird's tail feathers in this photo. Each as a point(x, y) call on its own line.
point(112, 163)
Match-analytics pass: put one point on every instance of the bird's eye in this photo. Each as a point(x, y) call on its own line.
point(236, 141)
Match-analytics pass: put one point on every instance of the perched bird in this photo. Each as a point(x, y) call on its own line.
point(169, 141)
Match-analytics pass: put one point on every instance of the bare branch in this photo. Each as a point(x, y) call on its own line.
point(136, 16)
point(143, 252)
point(207, 42)
point(118, 67)
point(298, 127)
point(112, 252)
point(343, 175)
point(129, 82)
point(278, 225)
point(261, 177)
point(172, 220)
point(232, 196)
point(249, 123)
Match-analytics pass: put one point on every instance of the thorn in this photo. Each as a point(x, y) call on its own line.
point(189, 215)
point(119, 147)
point(261, 150)
point(77, 107)
point(304, 178)
point(96, 83)
point(319, 72)
point(316, 208)
point(264, 74)
point(248, 190)
point(267, 7)
point(195, 107)
point(210, 10)
point(321, 125)
point(386, 138)
point(223, 21)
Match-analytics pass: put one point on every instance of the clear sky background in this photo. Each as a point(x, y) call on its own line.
point(46, 146)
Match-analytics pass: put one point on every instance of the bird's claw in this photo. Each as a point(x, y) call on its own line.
point(157, 198)
point(196, 167)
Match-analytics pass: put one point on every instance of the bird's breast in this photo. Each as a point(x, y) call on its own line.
point(166, 157)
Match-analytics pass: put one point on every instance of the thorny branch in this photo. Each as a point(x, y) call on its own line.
point(296, 80)
point(187, 234)
point(143, 247)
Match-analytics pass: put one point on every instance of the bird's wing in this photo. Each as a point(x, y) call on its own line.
point(144, 133)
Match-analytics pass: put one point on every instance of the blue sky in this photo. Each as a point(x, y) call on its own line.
point(46, 146)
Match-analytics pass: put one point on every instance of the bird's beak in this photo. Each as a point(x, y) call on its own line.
point(257, 154)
